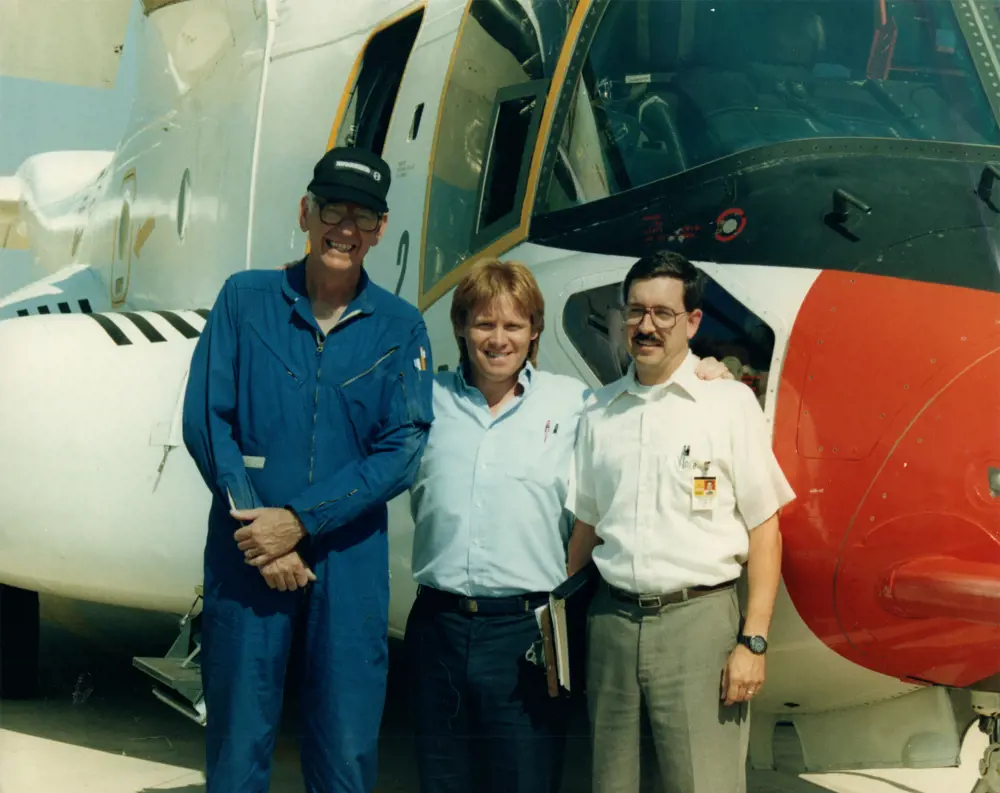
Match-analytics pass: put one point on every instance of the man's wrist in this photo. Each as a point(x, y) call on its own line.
point(754, 642)
point(303, 528)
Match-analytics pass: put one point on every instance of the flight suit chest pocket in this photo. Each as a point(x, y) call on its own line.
point(272, 394)
point(269, 363)
point(371, 370)
point(364, 389)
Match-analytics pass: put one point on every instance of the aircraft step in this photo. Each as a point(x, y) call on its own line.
point(177, 676)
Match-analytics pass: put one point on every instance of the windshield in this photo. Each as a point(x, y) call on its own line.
point(668, 85)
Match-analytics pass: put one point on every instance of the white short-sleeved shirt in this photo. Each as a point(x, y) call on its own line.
point(633, 481)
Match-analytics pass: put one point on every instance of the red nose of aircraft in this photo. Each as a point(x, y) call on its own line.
point(888, 422)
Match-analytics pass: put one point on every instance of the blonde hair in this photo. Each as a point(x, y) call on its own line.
point(488, 280)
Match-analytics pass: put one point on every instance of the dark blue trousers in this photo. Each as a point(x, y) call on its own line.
point(482, 714)
point(247, 634)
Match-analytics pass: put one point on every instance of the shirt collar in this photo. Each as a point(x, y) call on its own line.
point(683, 378)
point(294, 288)
point(524, 378)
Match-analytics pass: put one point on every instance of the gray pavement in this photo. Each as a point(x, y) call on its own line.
point(97, 728)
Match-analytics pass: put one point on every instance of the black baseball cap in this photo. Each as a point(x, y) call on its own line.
point(347, 173)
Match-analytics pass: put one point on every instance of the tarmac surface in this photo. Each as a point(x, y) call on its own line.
point(98, 729)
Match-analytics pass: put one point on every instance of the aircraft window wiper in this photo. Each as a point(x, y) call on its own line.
point(985, 188)
point(838, 218)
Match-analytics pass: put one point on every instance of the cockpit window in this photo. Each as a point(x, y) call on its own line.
point(668, 85)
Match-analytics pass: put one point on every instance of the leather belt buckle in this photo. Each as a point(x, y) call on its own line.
point(650, 601)
point(470, 605)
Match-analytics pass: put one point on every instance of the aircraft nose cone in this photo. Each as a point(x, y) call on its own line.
point(918, 579)
point(887, 420)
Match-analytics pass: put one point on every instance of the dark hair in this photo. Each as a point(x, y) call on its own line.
point(667, 264)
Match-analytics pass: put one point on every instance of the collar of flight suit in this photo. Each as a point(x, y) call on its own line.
point(293, 287)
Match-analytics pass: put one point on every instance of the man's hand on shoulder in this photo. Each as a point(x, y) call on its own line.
point(712, 369)
point(287, 573)
point(272, 533)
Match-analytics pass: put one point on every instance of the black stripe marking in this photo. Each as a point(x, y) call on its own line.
point(85, 306)
point(202, 312)
point(22, 312)
point(179, 324)
point(43, 310)
point(144, 326)
point(117, 334)
point(64, 308)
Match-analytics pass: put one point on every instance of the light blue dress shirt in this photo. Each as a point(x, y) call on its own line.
point(489, 499)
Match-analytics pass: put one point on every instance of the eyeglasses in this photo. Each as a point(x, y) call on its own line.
point(364, 219)
point(663, 318)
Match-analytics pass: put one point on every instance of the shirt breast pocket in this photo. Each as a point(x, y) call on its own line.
point(683, 459)
point(536, 457)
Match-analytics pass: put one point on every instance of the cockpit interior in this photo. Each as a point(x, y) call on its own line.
point(668, 86)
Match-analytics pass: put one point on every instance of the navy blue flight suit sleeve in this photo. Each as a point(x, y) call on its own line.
point(210, 405)
point(391, 466)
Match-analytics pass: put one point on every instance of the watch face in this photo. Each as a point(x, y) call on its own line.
point(757, 644)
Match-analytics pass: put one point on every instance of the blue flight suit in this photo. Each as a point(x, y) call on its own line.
point(332, 428)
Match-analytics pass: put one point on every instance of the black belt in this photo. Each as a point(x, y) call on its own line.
point(491, 606)
point(658, 601)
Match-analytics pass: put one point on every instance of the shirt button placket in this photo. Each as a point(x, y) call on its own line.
point(479, 480)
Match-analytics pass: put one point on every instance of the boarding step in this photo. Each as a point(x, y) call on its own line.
point(177, 676)
point(176, 685)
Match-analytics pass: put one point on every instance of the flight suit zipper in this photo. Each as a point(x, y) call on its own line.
point(319, 370)
point(333, 500)
point(406, 399)
point(312, 452)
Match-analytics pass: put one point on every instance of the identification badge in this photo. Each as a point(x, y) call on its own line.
point(703, 492)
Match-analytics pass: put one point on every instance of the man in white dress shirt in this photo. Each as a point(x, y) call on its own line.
point(677, 488)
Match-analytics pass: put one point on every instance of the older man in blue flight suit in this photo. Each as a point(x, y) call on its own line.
point(307, 409)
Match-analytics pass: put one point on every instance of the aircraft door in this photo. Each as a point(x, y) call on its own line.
point(384, 116)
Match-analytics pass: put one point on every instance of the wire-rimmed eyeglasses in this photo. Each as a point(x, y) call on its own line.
point(663, 318)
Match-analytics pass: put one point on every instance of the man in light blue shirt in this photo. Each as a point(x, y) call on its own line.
point(485, 481)
point(490, 543)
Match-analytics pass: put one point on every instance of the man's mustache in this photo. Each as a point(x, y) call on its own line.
point(645, 338)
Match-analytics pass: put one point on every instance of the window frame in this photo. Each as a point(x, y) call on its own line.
point(482, 235)
point(426, 297)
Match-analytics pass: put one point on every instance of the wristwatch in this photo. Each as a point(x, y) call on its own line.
point(755, 644)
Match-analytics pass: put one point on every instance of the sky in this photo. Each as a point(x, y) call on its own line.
point(37, 117)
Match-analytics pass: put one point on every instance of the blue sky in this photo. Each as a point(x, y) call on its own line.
point(36, 117)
